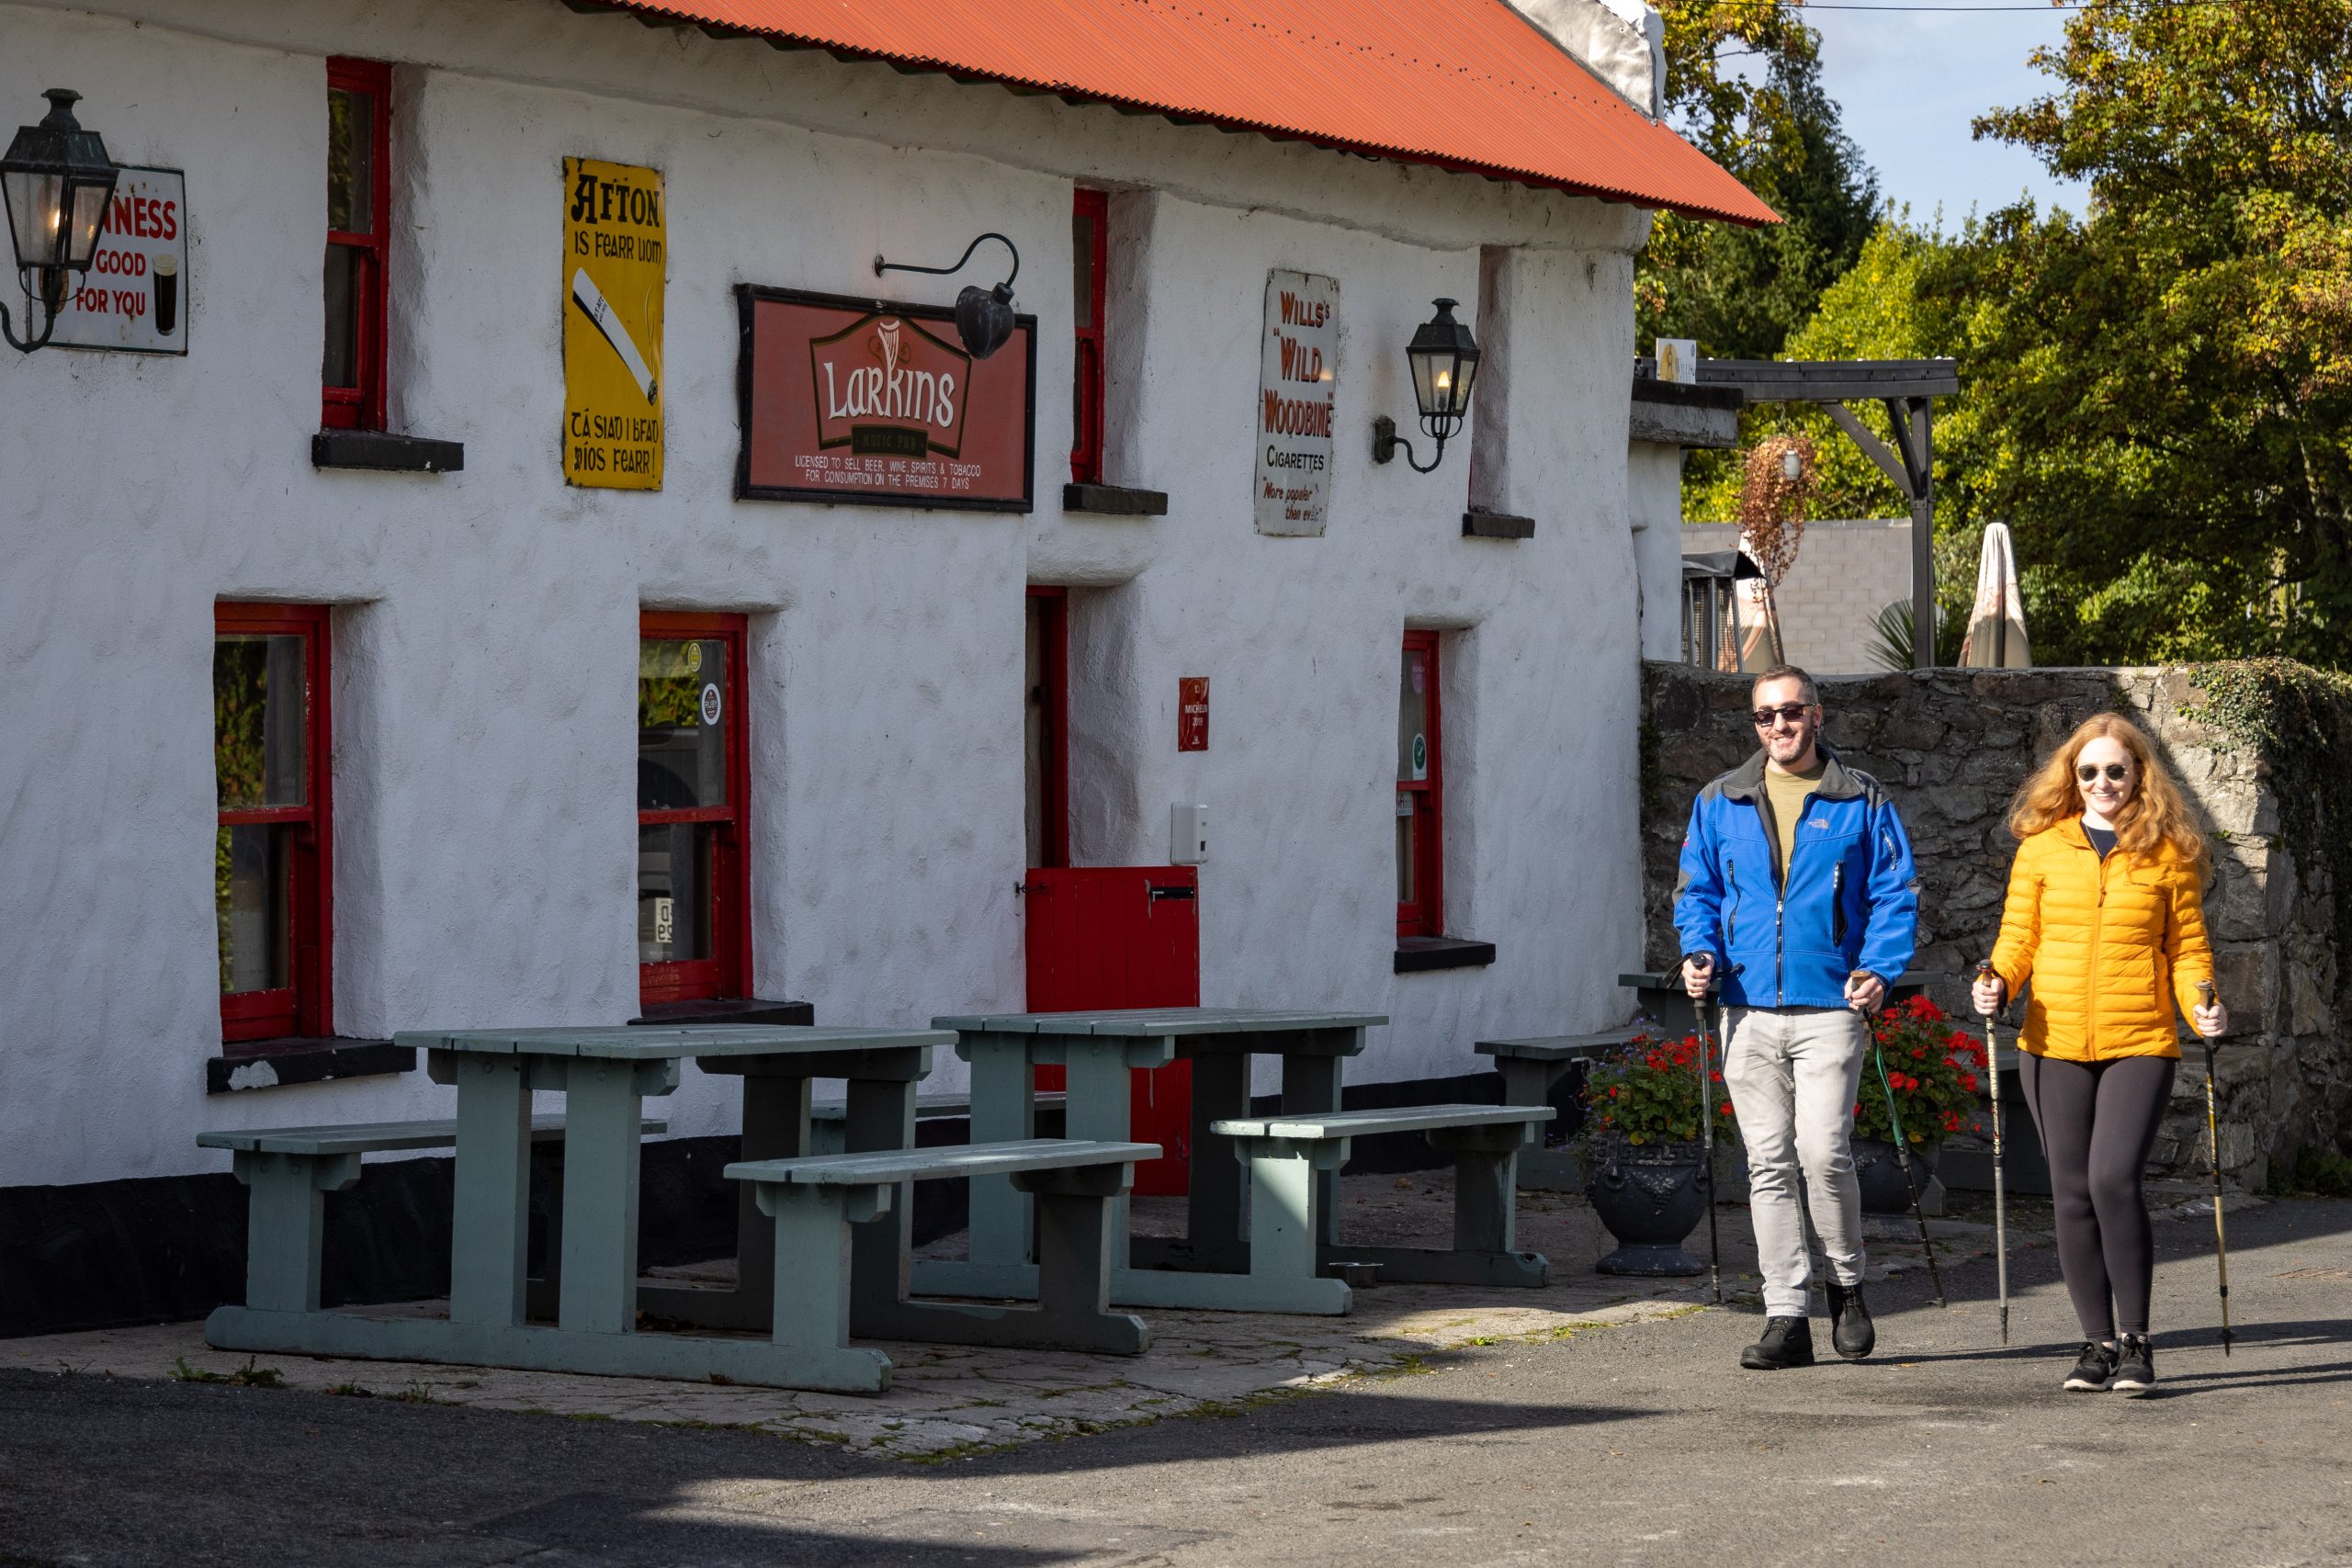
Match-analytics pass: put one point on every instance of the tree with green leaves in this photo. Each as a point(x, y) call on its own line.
point(2156, 395)
point(1741, 291)
point(2166, 383)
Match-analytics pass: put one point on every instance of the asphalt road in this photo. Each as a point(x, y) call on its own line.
point(1641, 1444)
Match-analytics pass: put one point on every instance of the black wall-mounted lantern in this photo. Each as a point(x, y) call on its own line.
point(57, 181)
point(983, 316)
point(1444, 358)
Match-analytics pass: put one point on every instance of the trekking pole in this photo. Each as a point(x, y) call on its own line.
point(1903, 1158)
point(1707, 1140)
point(2000, 1193)
point(2213, 1130)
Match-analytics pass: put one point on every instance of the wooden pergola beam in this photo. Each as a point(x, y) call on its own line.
point(1906, 388)
point(1832, 381)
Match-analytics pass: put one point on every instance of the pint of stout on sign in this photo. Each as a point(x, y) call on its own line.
point(134, 299)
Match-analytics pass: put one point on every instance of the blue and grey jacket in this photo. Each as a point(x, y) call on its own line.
point(1851, 901)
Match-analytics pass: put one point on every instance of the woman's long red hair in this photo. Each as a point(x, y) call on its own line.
point(2156, 813)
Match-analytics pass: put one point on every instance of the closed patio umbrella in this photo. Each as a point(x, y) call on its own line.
point(1997, 623)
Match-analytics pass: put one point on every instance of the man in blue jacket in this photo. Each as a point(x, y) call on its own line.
point(1798, 898)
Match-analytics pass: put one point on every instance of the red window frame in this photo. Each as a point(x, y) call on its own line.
point(1424, 915)
point(1052, 606)
point(304, 1007)
point(1086, 432)
point(728, 971)
point(361, 407)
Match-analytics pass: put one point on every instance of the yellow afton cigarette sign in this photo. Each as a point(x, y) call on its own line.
point(615, 251)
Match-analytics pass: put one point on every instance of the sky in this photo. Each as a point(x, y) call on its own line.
point(1907, 84)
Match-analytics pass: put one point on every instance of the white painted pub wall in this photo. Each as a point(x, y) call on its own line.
point(485, 640)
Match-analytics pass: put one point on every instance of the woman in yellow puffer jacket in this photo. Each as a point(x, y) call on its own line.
point(2106, 918)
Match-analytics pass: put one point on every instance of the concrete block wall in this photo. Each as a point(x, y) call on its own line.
point(1845, 572)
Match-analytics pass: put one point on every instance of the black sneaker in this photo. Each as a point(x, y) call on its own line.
point(2135, 1365)
point(2094, 1371)
point(1851, 1333)
point(1786, 1342)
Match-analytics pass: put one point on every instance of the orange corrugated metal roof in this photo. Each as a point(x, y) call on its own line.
point(1467, 84)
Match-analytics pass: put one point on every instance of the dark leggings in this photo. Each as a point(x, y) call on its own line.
point(2097, 1121)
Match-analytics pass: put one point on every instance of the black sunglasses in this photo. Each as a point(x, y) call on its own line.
point(2118, 771)
point(1791, 712)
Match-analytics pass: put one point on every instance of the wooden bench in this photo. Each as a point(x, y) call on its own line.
point(1533, 1069)
point(816, 1200)
point(1284, 1153)
point(290, 1171)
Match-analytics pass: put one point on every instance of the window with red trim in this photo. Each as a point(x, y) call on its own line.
point(359, 187)
point(1421, 793)
point(1090, 253)
point(1045, 794)
point(693, 933)
point(272, 845)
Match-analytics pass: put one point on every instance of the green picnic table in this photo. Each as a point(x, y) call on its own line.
point(603, 1074)
point(1209, 1265)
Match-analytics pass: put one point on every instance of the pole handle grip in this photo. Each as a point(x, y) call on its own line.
point(1984, 971)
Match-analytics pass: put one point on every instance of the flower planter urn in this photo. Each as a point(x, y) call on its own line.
point(1651, 1196)
point(1881, 1175)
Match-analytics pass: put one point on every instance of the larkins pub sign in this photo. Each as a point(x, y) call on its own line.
point(865, 401)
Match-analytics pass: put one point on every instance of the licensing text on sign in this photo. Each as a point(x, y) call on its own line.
point(1297, 378)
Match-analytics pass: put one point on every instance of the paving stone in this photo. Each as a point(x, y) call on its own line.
point(946, 1401)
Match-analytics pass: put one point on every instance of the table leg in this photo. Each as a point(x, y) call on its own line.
point(1216, 1226)
point(598, 1295)
point(1099, 1107)
point(491, 1207)
point(775, 1126)
point(1311, 1084)
point(1531, 1083)
point(1004, 1110)
point(881, 1117)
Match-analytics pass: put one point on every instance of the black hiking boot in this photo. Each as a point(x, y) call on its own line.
point(2135, 1365)
point(1786, 1342)
point(1851, 1333)
point(2094, 1371)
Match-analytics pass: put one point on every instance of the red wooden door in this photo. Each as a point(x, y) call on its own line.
point(1130, 936)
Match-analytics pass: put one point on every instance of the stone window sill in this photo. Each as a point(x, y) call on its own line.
point(1417, 953)
point(1114, 501)
point(1480, 524)
point(387, 453)
point(273, 1064)
point(744, 1010)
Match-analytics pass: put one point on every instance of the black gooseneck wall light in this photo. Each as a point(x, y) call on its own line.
point(1445, 360)
point(983, 316)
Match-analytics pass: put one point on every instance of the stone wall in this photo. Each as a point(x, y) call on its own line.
point(2266, 765)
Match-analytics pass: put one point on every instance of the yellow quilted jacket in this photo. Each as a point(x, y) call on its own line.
point(2110, 946)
